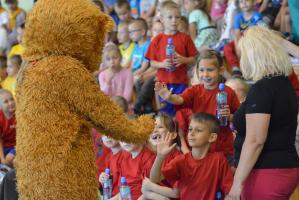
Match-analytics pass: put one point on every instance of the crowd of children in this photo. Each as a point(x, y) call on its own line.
point(12, 25)
point(189, 155)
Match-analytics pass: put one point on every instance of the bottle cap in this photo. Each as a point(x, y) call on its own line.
point(221, 86)
point(169, 41)
point(218, 195)
point(123, 180)
point(107, 171)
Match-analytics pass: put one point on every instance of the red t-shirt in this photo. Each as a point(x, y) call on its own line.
point(183, 46)
point(8, 130)
point(101, 151)
point(295, 83)
point(199, 179)
point(172, 155)
point(136, 169)
point(113, 163)
point(199, 99)
point(183, 118)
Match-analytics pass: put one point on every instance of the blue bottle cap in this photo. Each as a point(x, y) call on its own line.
point(169, 41)
point(107, 171)
point(123, 180)
point(218, 195)
point(221, 86)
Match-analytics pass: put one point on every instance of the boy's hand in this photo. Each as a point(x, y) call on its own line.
point(179, 59)
point(103, 177)
point(162, 90)
point(225, 112)
point(166, 64)
point(164, 145)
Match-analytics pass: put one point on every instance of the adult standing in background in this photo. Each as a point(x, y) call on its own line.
point(267, 161)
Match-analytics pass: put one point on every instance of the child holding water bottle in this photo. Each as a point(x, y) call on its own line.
point(202, 97)
point(172, 72)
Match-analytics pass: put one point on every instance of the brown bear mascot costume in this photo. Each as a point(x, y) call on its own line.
point(58, 101)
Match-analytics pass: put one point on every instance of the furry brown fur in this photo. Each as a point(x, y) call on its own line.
point(58, 101)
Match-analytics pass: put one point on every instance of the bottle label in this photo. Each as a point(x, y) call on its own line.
point(221, 98)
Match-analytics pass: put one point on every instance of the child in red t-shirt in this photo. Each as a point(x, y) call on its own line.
point(173, 74)
point(163, 124)
point(7, 128)
point(199, 174)
point(112, 162)
point(136, 163)
point(202, 97)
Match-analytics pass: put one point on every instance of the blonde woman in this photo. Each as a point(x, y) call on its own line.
point(267, 162)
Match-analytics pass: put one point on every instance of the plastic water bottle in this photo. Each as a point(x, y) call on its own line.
point(125, 192)
point(134, 8)
point(107, 188)
point(170, 54)
point(221, 99)
point(218, 196)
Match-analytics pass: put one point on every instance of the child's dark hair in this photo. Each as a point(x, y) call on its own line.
point(142, 22)
point(170, 124)
point(121, 3)
point(121, 102)
point(185, 20)
point(3, 61)
point(211, 54)
point(16, 59)
point(99, 4)
point(210, 120)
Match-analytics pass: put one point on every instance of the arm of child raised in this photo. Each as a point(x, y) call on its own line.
point(164, 147)
point(167, 95)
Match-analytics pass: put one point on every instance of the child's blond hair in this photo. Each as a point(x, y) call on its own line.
point(168, 5)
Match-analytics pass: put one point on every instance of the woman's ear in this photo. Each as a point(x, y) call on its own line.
point(174, 135)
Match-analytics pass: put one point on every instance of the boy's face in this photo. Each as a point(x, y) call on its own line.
point(123, 34)
point(7, 103)
point(208, 73)
point(12, 6)
point(170, 19)
point(136, 32)
point(123, 13)
point(199, 134)
point(12, 69)
point(130, 147)
point(109, 142)
point(246, 5)
point(157, 29)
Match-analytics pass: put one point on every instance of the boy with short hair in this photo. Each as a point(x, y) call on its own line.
point(123, 10)
point(7, 128)
point(144, 88)
point(126, 47)
point(199, 174)
point(174, 76)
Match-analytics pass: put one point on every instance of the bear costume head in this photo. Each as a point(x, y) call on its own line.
point(58, 101)
point(73, 28)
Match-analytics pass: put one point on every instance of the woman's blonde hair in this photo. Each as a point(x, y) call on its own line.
point(262, 54)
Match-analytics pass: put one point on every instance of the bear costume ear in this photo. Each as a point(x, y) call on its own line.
point(107, 22)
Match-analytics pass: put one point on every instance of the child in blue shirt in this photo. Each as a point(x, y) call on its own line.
point(246, 18)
